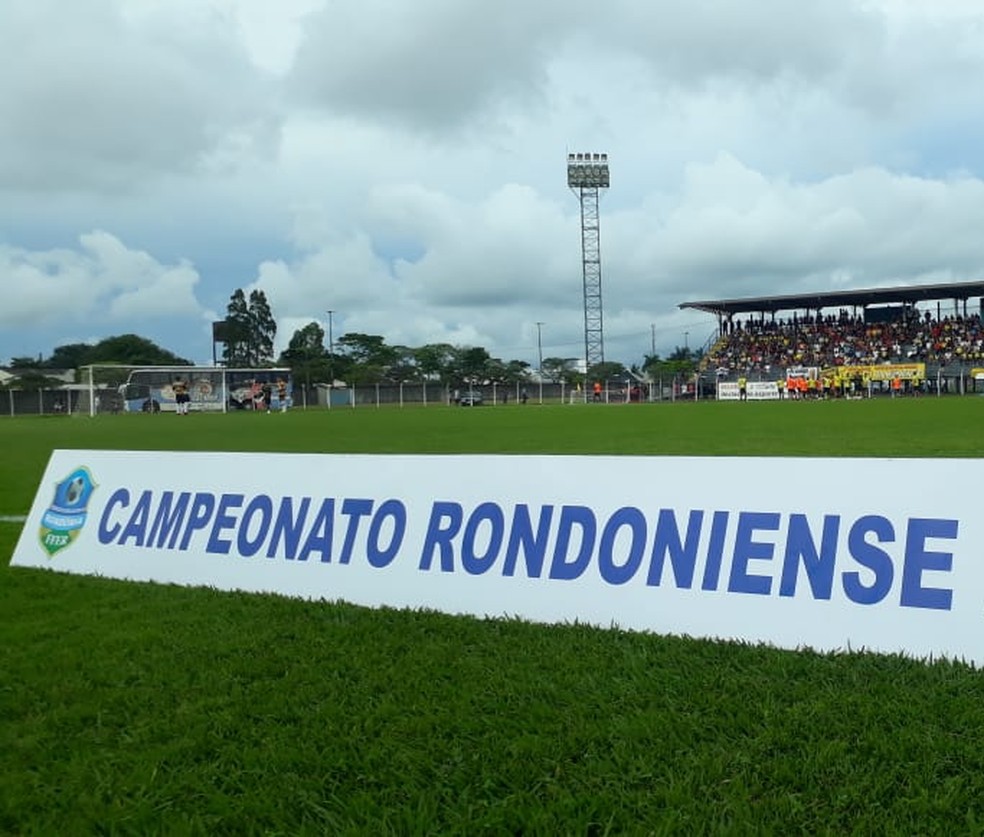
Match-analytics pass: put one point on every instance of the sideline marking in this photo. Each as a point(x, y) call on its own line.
point(13, 518)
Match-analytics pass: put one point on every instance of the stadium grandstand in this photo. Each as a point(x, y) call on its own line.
point(929, 335)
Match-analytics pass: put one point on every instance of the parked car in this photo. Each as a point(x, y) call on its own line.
point(472, 398)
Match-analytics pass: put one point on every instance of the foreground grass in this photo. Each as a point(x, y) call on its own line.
point(138, 708)
point(142, 709)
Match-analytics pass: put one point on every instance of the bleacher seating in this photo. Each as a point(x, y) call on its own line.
point(825, 341)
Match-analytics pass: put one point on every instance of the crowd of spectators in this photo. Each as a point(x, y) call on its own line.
point(845, 340)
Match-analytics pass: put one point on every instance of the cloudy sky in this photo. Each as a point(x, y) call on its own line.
point(403, 163)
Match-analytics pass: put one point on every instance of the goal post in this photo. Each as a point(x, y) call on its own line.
point(111, 388)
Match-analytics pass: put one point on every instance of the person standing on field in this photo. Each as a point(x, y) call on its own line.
point(282, 394)
point(181, 396)
point(255, 395)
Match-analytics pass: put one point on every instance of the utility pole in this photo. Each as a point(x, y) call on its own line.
point(331, 350)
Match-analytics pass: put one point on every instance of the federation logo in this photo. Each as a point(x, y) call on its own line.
point(65, 517)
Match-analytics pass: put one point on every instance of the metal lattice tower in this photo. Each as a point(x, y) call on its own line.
point(587, 174)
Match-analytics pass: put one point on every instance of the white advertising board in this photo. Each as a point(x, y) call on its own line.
point(754, 391)
point(823, 553)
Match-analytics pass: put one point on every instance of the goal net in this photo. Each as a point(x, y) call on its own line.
point(151, 389)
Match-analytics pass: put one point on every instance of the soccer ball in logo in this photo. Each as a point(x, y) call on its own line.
point(72, 494)
point(65, 517)
point(75, 490)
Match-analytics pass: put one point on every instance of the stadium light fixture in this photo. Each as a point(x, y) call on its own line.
point(588, 171)
point(587, 175)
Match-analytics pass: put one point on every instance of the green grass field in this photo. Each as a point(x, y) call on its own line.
point(142, 709)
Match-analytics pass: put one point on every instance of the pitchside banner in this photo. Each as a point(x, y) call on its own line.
point(754, 391)
point(826, 553)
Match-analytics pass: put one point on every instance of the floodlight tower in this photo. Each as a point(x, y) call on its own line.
point(586, 175)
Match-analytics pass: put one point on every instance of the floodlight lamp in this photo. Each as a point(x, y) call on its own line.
point(587, 170)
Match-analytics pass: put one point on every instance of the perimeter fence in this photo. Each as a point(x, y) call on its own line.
point(952, 380)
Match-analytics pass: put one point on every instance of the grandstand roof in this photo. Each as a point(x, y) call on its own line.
point(832, 299)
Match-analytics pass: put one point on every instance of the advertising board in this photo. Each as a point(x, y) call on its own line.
point(823, 553)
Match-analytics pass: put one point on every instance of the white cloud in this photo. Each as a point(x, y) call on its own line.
point(437, 63)
point(487, 271)
point(270, 32)
point(106, 102)
point(101, 282)
point(731, 221)
point(403, 165)
point(425, 63)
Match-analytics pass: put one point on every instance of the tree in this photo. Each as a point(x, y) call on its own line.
point(25, 363)
point(236, 349)
point(306, 355)
point(121, 350)
point(516, 372)
point(263, 329)
point(437, 360)
point(608, 371)
point(651, 363)
point(678, 365)
point(474, 364)
point(69, 356)
point(495, 371)
point(404, 365)
point(561, 369)
point(368, 355)
point(307, 344)
point(250, 330)
point(133, 350)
